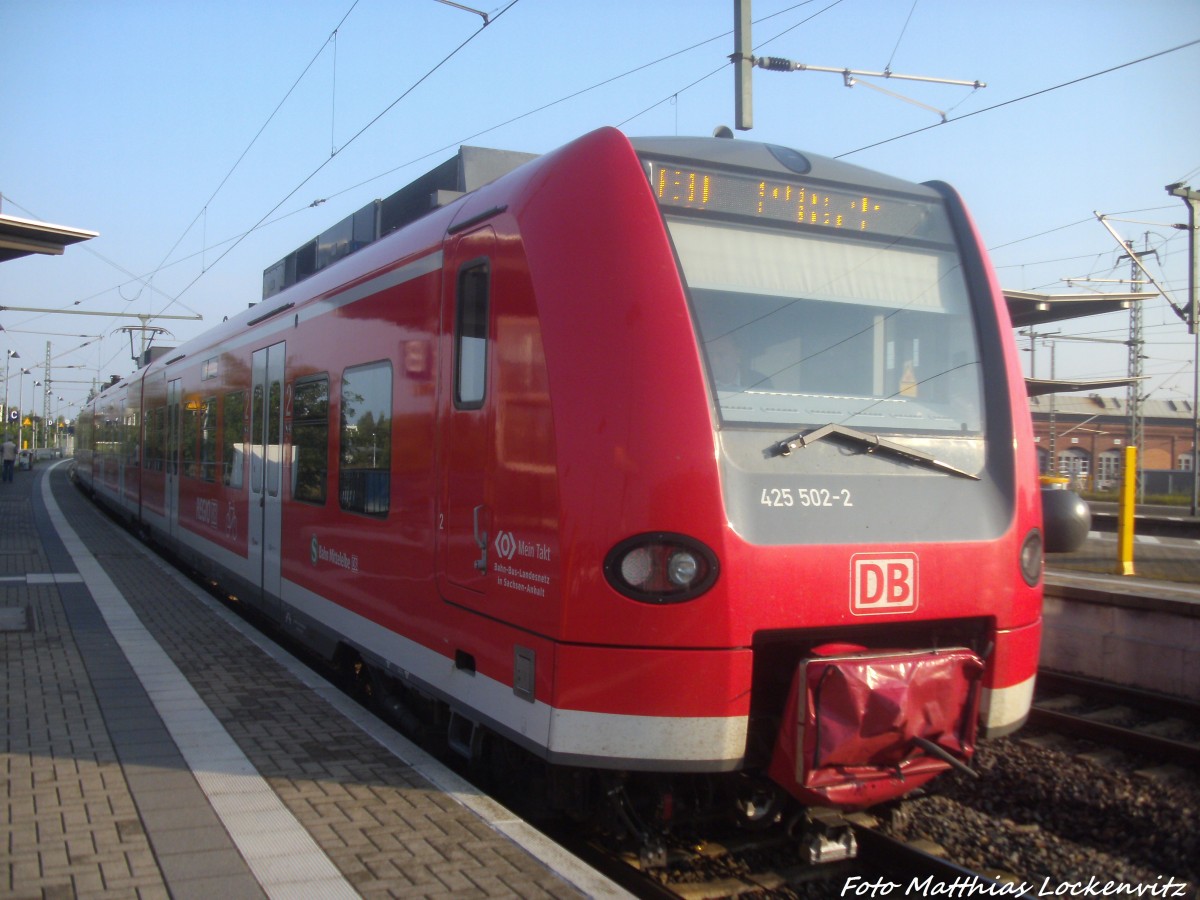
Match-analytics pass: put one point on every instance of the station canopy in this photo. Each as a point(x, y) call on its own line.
point(1028, 308)
point(23, 237)
point(1039, 387)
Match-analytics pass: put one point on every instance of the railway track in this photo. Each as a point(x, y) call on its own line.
point(772, 865)
point(1136, 721)
point(1150, 726)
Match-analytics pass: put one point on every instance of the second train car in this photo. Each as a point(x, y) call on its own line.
point(667, 460)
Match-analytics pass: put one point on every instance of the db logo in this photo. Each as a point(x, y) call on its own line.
point(506, 545)
point(883, 583)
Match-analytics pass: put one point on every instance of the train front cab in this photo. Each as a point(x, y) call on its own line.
point(873, 440)
point(875, 314)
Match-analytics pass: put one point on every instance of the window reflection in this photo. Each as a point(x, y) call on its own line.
point(364, 479)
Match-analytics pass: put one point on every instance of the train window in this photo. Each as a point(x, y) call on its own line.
point(471, 336)
point(153, 440)
point(310, 439)
point(129, 439)
point(256, 440)
point(233, 439)
point(365, 439)
point(189, 435)
point(208, 440)
point(172, 436)
point(274, 437)
point(803, 329)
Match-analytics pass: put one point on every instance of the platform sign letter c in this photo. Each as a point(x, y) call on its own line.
point(883, 583)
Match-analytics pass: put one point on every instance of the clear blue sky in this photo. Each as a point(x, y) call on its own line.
point(129, 117)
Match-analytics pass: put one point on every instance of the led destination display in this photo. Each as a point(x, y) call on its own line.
point(798, 202)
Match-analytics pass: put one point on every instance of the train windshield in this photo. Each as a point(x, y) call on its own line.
point(807, 327)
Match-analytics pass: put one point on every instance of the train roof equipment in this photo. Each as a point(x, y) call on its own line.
point(469, 169)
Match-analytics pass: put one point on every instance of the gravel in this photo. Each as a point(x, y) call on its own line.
point(1057, 821)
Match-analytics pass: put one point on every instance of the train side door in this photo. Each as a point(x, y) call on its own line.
point(266, 472)
point(171, 441)
point(465, 517)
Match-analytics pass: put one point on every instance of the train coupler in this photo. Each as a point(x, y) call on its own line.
point(652, 854)
point(825, 836)
point(862, 727)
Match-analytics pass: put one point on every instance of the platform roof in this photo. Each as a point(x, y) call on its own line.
point(1039, 387)
point(1031, 308)
point(22, 237)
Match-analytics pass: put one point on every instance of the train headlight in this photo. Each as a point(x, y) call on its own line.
point(682, 568)
point(661, 568)
point(1031, 558)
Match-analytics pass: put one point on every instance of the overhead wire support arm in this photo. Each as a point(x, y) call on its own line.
point(486, 20)
point(850, 78)
point(1135, 257)
point(851, 82)
point(88, 312)
point(144, 318)
point(778, 64)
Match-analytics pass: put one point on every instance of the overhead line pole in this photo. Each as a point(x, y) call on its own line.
point(743, 67)
point(1191, 198)
point(1137, 421)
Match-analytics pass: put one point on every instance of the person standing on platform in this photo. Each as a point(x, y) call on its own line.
point(8, 451)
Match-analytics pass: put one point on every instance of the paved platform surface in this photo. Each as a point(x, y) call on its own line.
point(153, 745)
point(1166, 572)
point(1166, 550)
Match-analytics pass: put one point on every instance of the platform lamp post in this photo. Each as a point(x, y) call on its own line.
point(20, 418)
point(33, 434)
point(12, 354)
point(57, 427)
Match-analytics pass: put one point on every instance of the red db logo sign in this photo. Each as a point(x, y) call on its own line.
point(882, 583)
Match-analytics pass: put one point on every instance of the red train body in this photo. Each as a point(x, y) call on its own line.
point(553, 460)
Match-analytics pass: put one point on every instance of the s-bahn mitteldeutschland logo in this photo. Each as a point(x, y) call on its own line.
point(314, 551)
point(883, 583)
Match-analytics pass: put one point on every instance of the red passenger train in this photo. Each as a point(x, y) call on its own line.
point(669, 460)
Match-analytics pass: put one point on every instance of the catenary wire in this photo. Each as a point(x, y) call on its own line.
point(250, 145)
point(355, 137)
point(911, 10)
point(1038, 93)
point(576, 94)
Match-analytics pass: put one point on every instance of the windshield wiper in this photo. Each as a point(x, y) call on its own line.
point(874, 444)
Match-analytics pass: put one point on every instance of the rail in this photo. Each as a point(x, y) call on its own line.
point(1143, 722)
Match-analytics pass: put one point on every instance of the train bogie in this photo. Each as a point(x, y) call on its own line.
point(626, 457)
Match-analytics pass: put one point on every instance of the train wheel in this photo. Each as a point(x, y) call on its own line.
point(757, 804)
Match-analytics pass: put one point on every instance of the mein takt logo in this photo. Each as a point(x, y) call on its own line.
point(506, 545)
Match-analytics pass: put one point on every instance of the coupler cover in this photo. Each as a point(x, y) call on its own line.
point(854, 725)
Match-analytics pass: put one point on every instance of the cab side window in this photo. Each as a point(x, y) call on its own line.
point(471, 336)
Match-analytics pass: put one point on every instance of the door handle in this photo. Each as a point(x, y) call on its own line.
point(481, 540)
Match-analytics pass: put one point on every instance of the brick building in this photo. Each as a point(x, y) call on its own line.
point(1088, 434)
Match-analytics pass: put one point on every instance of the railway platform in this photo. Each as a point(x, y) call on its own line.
point(154, 745)
point(1139, 630)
